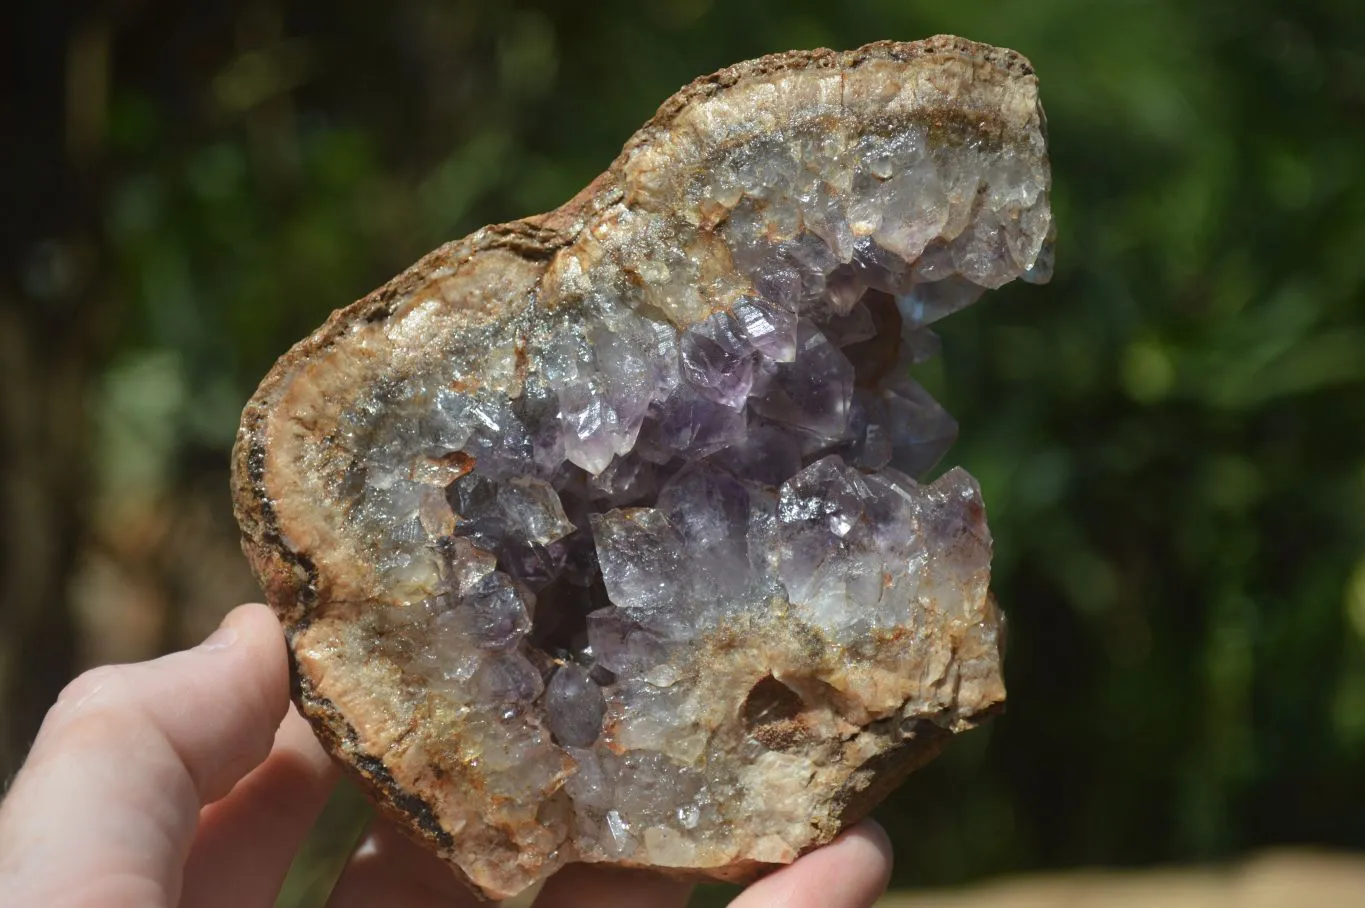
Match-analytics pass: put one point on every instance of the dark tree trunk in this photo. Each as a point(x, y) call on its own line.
point(54, 327)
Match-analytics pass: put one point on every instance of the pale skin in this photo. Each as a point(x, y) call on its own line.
point(191, 781)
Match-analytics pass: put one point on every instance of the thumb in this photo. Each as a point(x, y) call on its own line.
point(106, 806)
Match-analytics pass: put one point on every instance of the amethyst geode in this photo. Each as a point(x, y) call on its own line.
point(597, 536)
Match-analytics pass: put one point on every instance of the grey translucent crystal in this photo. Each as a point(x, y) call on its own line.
point(574, 706)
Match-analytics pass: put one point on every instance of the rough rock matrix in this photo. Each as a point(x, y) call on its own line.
point(597, 536)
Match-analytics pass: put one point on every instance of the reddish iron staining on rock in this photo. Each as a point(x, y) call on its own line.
point(597, 536)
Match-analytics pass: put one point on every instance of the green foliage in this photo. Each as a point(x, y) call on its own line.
point(1170, 435)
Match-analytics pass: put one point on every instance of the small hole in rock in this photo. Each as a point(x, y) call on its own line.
point(560, 625)
point(873, 359)
point(771, 701)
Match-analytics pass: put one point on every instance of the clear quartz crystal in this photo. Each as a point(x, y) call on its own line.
point(533, 510)
point(507, 678)
point(767, 327)
point(640, 552)
point(494, 613)
point(622, 644)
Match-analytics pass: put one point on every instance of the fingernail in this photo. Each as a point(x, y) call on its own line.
point(222, 638)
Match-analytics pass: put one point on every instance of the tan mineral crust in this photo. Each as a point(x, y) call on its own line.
point(597, 536)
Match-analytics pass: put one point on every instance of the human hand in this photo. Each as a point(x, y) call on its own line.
point(190, 780)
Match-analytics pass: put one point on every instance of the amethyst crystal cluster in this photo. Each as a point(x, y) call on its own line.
point(600, 536)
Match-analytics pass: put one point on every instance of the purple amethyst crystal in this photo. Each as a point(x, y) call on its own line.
point(717, 361)
point(812, 393)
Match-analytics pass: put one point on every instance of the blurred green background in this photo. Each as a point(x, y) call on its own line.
point(1171, 436)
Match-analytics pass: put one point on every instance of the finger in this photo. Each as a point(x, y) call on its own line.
point(106, 806)
point(389, 870)
point(850, 872)
point(597, 886)
point(247, 840)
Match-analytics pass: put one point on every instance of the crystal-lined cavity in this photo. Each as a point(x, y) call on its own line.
point(608, 536)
